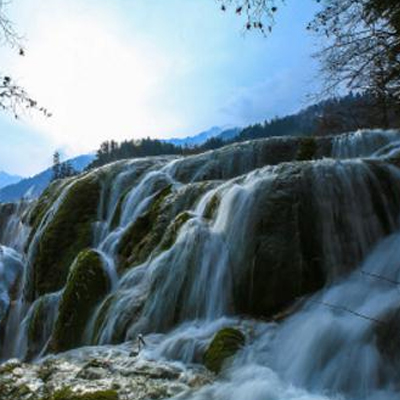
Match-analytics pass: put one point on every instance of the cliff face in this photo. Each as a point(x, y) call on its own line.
point(245, 230)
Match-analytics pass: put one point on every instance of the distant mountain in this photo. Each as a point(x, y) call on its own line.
point(229, 134)
point(196, 140)
point(33, 187)
point(7, 179)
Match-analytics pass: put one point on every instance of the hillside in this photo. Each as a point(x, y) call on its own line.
point(7, 179)
point(33, 187)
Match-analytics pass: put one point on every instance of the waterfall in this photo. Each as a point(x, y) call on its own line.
point(329, 348)
point(365, 143)
point(194, 278)
point(15, 233)
point(355, 209)
point(20, 307)
point(227, 238)
point(341, 326)
point(11, 269)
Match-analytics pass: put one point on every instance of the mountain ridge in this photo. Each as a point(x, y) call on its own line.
point(34, 186)
point(223, 133)
point(7, 179)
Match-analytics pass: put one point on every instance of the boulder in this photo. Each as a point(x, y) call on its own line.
point(88, 283)
point(225, 344)
point(68, 232)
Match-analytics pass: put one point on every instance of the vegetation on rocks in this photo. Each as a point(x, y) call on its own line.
point(133, 248)
point(6, 210)
point(68, 394)
point(212, 206)
point(226, 343)
point(173, 230)
point(36, 326)
point(68, 232)
point(307, 149)
point(87, 284)
point(108, 374)
point(42, 205)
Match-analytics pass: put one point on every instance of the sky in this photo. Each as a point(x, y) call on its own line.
point(123, 69)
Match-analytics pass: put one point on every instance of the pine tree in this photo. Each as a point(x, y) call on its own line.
point(56, 166)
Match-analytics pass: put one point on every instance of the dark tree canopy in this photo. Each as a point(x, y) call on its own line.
point(60, 169)
point(361, 48)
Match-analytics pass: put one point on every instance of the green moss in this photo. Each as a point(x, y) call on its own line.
point(35, 327)
point(69, 232)
point(118, 210)
point(68, 394)
point(101, 315)
point(126, 318)
point(8, 367)
point(173, 230)
point(88, 283)
point(212, 206)
point(133, 247)
point(307, 149)
point(35, 324)
point(117, 213)
point(6, 210)
point(42, 205)
point(225, 344)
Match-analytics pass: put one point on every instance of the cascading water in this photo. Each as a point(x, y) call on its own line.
point(218, 238)
point(15, 232)
point(11, 269)
point(365, 144)
point(350, 194)
point(328, 347)
point(193, 279)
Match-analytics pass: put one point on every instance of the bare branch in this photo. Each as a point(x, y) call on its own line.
point(259, 14)
point(13, 98)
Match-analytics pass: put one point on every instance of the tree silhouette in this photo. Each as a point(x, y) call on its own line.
point(13, 97)
point(56, 166)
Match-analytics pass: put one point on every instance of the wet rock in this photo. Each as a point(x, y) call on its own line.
point(226, 343)
point(87, 284)
point(68, 232)
point(96, 374)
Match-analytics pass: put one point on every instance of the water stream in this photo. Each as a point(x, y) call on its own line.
point(332, 347)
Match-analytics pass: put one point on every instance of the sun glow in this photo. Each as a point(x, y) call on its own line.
point(97, 82)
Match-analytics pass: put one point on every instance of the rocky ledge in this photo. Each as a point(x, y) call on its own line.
point(98, 373)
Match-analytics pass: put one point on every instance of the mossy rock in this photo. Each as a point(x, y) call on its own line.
point(36, 322)
point(6, 211)
point(307, 149)
point(225, 344)
point(88, 283)
point(41, 319)
point(133, 248)
point(285, 257)
point(68, 394)
point(212, 206)
point(42, 205)
point(173, 230)
point(69, 232)
point(118, 210)
point(125, 319)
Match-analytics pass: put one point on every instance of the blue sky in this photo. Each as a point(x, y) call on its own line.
point(133, 68)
